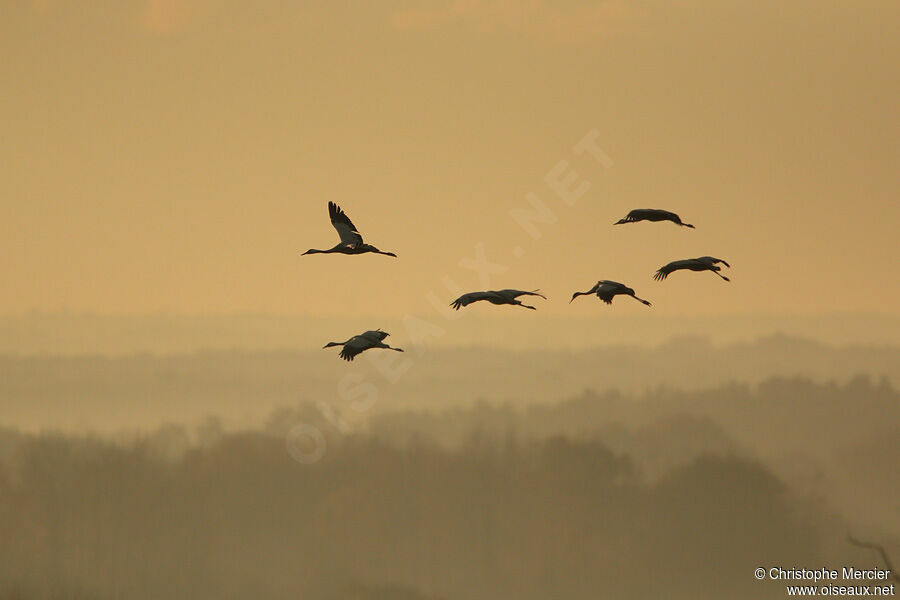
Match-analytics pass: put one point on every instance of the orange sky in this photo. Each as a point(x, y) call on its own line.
point(177, 155)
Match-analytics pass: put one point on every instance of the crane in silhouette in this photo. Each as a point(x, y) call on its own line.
point(362, 342)
point(606, 290)
point(703, 263)
point(351, 240)
point(652, 214)
point(496, 297)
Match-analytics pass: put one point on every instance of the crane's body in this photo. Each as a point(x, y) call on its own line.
point(495, 297)
point(606, 290)
point(652, 214)
point(362, 342)
point(351, 240)
point(703, 263)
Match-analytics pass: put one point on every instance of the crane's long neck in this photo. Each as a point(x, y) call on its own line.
point(587, 293)
point(330, 344)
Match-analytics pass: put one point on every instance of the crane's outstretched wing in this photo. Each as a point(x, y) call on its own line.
point(516, 293)
point(633, 216)
point(646, 214)
point(639, 214)
point(666, 270)
point(344, 226)
point(354, 346)
point(652, 214)
point(375, 335)
point(608, 289)
point(467, 299)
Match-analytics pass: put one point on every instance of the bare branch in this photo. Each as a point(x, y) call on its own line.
point(880, 549)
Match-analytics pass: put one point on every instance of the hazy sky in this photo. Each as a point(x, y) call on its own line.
point(177, 155)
